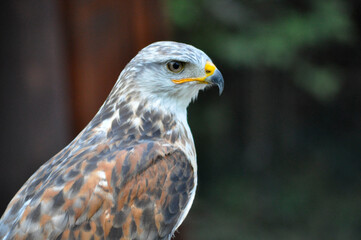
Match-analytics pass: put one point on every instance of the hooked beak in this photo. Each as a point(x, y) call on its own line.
point(216, 79)
point(213, 76)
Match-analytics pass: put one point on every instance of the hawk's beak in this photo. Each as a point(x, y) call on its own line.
point(213, 76)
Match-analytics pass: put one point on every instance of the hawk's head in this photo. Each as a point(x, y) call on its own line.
point(169, 73)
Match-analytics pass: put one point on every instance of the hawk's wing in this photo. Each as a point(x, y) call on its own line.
point(136, 193)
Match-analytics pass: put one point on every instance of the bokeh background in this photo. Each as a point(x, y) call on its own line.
point(279, 152)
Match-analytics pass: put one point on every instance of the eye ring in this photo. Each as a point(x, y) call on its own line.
point(175, 66)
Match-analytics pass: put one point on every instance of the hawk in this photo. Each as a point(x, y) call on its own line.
point(132, 172)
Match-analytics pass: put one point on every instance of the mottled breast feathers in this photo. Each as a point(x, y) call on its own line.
point(133, 193)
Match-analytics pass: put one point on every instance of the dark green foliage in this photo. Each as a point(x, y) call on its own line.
point(279, 152)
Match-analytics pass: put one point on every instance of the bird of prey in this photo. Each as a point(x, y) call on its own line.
point(132, 172)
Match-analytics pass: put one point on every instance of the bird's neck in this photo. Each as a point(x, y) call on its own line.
point(133, 119)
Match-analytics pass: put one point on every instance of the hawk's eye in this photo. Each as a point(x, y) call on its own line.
point(175, 66)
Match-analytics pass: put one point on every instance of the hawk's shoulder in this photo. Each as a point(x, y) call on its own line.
point(140, 190)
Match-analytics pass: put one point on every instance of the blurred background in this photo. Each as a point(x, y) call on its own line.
point(279, 153)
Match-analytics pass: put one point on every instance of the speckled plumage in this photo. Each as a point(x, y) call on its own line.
point(131, 173)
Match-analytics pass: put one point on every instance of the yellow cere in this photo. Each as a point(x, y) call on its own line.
point(209, 70)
